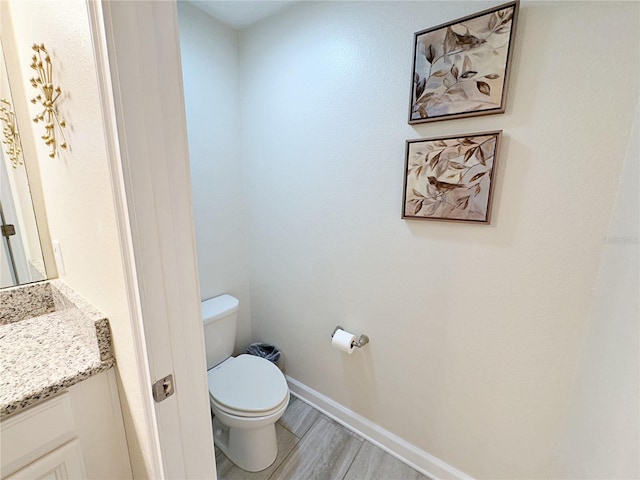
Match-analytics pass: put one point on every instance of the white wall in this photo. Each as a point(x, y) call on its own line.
point(77, 188)
point(475, 330)
point(601, 438)
point(211, 79)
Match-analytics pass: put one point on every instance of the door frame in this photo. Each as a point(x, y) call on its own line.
point(136, 46)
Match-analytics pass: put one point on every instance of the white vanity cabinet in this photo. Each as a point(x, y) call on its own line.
point(64, 463)
point(76, 434)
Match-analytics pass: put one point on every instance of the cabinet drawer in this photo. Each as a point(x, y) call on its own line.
point(35, 432)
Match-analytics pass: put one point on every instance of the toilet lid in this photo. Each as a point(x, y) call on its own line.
point(248, 384)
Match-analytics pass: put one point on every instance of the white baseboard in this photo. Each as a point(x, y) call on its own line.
point(392, 444)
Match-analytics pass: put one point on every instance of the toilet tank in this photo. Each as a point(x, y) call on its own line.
point(219, 316)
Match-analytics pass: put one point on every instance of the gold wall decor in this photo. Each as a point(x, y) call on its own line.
point(53, 122)
point(10, 133)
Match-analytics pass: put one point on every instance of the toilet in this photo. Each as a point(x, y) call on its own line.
point(247, 394)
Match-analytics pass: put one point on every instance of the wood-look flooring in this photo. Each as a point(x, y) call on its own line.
point(314, 447)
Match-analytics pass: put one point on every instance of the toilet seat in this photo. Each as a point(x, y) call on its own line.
point(243, 414)
point(247, 386)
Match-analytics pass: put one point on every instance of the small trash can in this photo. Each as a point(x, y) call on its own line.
point(266, 351)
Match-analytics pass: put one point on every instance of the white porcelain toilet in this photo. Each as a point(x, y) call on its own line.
point(247, 394)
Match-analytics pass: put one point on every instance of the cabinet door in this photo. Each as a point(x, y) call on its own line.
point(64, 463)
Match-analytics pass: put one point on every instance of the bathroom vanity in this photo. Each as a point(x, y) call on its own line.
point(59, 411)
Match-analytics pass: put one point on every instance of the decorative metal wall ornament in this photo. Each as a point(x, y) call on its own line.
point(10, 133)
point(53, 122)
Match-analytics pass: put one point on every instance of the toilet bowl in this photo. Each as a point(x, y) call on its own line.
point(247, 395)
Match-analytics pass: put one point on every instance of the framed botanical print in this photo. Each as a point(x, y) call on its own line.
point(450, 178)
point(461, 68)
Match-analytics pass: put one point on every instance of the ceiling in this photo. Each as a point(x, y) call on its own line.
point(241, 13)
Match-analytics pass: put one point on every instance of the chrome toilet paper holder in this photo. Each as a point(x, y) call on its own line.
point(360, 342)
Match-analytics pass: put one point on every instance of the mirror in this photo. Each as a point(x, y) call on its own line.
point(21, 258)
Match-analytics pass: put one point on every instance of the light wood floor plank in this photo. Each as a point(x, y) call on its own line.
point(372, 463)
point(324, 453)
point(299, 417)
point(314, 447)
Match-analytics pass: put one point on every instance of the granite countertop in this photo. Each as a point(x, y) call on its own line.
point(50, 339)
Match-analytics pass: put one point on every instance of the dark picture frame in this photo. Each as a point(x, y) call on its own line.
point(461, 68)
point(451, 177)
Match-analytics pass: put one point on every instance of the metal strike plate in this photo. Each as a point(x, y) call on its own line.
point(163, 388)
point(8, 230)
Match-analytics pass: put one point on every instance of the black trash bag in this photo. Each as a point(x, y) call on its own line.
point(266, 351)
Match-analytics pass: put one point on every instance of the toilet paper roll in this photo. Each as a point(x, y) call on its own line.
point(343, 341)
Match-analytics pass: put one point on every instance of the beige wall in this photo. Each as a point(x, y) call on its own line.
point(211, 78)
point(77, 188)
point(601, 435)
point(475, 330)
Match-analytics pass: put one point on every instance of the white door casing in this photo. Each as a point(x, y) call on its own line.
point(137, 51)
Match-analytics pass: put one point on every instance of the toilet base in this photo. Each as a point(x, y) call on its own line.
point(251, 449)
